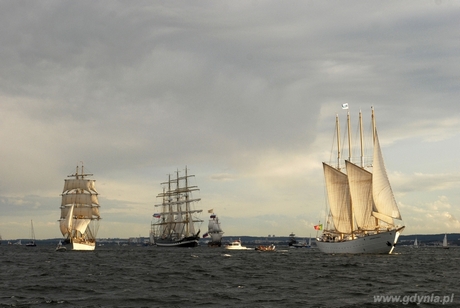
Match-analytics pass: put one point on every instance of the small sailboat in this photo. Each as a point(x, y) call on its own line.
point(31, 243)
point(444, 242)
point(362, 208)
point(80, 215)
point(214, 230)
point(60, 247)
point(416, 244)
point(174, 225)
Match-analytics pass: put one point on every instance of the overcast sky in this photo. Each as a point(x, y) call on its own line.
point(243, 93)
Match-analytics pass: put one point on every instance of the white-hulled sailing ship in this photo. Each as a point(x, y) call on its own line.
point(362, 207)
point(175, 225)
point(214, 230)
point(80, 216)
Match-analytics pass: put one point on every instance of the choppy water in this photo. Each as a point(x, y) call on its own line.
point(114, 276)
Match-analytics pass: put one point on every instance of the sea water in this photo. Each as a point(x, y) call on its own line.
point(132, 276)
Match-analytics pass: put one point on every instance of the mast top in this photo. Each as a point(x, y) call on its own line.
point(80, 175)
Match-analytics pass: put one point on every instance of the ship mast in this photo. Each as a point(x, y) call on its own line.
point(337, 126)
point(361, 138)
point(349, 159)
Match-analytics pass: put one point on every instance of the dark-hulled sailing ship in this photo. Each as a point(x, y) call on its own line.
point(175, 224)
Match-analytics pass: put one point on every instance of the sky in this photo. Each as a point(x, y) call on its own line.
point(242, 93)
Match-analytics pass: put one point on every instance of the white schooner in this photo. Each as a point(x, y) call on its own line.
point(175, 224)
point(362, 208)
point(80, 215)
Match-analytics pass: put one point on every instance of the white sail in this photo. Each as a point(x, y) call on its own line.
point(444, 241)
point(339, 198)
point(384, 199)
point(79, 199)
point(179, 224)
point(214, 225)
point(80, 211)
point(80, 224)
point(96, 212)
point(88, 185)
point(360, 182)
point(191, 229)
point(66, 221)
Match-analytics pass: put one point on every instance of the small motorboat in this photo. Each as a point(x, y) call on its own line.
point(235, 245)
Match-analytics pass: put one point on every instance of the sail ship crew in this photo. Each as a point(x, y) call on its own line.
point(174, 224)
point(80, 215)
point(362, 207)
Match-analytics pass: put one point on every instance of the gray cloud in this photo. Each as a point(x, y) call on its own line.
point(239, 90)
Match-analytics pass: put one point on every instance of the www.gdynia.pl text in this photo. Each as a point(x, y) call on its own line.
point(415, 298)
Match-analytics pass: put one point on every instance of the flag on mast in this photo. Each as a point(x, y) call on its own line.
point(318, 227)
point(345, 106)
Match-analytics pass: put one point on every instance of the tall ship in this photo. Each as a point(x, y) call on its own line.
point(362, 210)
point(176, 223)
point(214, 230)
point(79, 222)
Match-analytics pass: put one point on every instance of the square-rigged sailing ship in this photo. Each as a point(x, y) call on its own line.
point(176, 223)
point(80, 216)
point(362, 208)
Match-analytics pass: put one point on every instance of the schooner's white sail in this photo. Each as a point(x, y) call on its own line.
point(80, 215)
point(362, 208)
point(174, 224)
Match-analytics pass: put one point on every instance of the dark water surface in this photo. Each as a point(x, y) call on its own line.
point(115, 276)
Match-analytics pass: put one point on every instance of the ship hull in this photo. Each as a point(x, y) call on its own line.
point(186, 242)
point(83, 246)
point(381, 243)
point(215, 244)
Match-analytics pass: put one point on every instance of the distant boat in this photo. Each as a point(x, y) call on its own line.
point(362, 207)
point(236, 245)
point(174, 225)
point(271, 247)
point(60, 247)
point(415, 244)
point(17, 243)
point(32, 236)
point(80, 216)
point(214, 230)
point(444, 242)
point(293, 243)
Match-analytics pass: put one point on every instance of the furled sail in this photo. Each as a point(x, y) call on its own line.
point(384, 199)
point(339, 198)
point(360, 182)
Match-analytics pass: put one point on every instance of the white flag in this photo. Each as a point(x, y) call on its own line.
point(345, 106)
